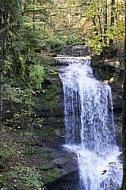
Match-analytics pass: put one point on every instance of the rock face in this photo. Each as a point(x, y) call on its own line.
point(68, 182)
point(111, 71)
point(77, 50)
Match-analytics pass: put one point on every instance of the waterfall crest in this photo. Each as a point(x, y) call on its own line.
point(90, 129)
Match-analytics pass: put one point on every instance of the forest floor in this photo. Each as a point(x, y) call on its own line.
point(31, 158)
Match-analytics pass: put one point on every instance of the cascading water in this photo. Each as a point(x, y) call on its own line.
point(90, 129)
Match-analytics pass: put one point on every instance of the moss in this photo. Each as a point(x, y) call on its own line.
point(50, 175)
point(95, 64)
point(46, 167)
point(33, 151)
point(32, 144)
point(44, 132)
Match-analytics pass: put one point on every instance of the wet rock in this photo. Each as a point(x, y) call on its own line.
point(66, 182)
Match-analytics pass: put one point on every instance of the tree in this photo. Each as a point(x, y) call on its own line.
point(3, 37)
point(124, 115)
point(105, 21)
point(112, 17)
point(9, 10)
point(24, 72)
point(1, 64)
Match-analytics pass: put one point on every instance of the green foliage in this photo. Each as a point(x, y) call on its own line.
point(47, 96)
point(21, 108)
point(96, 44)
point(20, 158)
point(53, 43)
point(22, 177)
point(36, 74)
point(72, 39)
point(28, 26)
point(14, 161)
point(9, 151)
point(52, 175)
point(46, 167)
point(33, 151)
point(22, 93)
point(30, 39)
point(17, 94)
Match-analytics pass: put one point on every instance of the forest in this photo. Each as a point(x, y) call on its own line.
point(32, 33)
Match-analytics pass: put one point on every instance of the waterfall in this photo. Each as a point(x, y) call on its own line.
point(90, 129)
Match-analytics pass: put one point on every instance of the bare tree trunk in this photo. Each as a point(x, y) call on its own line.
point(94, 21)
point(100, 24)
point(112, 18)
point(124, 116)
point(105, 21)
point(33, 17)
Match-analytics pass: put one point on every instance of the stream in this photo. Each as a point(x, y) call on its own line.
point(89, 124)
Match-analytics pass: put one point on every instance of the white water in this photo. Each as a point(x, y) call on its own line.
point(90, 130)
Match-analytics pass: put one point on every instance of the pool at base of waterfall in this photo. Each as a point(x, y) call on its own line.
point(98, 172)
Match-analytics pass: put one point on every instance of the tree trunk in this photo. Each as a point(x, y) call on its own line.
point(112, 18)
point(33, 17)
point(124, 116)
point(1, 66)
point(3, 24)
point(105, 21)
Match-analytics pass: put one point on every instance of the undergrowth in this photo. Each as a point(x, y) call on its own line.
point(21, 163)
